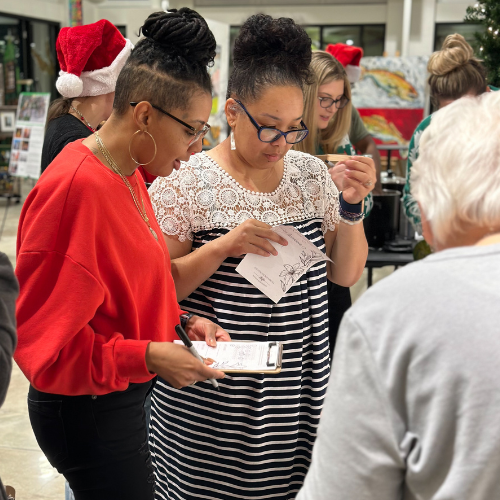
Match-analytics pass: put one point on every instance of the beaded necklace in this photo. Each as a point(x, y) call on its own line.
point(85, 122)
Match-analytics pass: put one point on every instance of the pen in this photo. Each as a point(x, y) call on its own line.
point(187, 342)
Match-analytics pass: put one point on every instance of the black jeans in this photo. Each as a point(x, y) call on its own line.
point(98, 443)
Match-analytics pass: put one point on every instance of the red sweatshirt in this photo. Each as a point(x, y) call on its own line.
point(95, 286)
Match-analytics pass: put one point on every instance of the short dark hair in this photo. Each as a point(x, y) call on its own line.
point(269, 52)
point(169, 64)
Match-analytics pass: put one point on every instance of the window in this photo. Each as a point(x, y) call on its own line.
point(122, 29)
point(465, 29)
point(28, 47)
point(370, 37)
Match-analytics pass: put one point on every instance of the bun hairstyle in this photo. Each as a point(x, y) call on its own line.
point(268, 52)
point(169, 64)
point(454, 71)
point(325, 69)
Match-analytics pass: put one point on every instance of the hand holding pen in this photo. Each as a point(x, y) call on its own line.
point(187, 342)
point(175, 364)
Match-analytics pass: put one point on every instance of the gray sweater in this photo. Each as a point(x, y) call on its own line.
point(413, 406)
point(9, 290)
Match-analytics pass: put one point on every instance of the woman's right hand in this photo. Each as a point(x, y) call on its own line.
point(175, 364)
point(337, 173)
point(250, 237)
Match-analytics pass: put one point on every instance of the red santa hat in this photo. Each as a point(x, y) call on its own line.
point(91, 58)
point(349, 56)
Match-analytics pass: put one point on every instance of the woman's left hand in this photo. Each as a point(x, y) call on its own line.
point(199, 328)
point(359, 179)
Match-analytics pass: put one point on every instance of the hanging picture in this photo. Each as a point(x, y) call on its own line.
point(28, 135)
point(7, 121)
point(390, 97)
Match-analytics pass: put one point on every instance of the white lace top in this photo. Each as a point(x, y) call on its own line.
point(202, 196)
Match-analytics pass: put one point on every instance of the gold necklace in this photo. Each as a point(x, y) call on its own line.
point(116, 170)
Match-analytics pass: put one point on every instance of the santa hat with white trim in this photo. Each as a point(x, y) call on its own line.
point(91, 58)
point(350, 57)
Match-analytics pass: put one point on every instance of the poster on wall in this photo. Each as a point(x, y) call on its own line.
point(27, 142)
point(390, 97)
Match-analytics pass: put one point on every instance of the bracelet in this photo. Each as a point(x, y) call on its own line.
point(350, 213)
point(354, 209)
point(185, 317)
point(352, 222)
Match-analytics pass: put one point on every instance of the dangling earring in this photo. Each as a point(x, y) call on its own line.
point(130, 147)
point(233, 143)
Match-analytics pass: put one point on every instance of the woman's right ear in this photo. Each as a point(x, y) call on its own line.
point(231, 111)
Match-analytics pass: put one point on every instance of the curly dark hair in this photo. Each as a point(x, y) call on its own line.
point(269, 52)
point(169, 64)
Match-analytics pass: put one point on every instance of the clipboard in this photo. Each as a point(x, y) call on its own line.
point(274, 368)
point(333, 158)
point(232, 357)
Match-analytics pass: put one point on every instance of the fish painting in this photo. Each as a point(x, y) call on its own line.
point(386, 131)
point(393, 83)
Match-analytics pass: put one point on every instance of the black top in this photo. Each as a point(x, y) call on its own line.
point(60, 132)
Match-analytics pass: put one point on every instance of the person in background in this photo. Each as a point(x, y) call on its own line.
point(253, 439)
point(9, 290)
point(453, 73)
point(87, 84)
point(97, 306)
point(414, 396)
point(350, 57)
point(327, 110)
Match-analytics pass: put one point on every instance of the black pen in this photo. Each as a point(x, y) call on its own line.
point(187, 342)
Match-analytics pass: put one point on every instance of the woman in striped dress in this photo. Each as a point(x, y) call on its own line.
point(253, 439)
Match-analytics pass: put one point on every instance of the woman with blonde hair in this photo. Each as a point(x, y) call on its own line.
point(327, 111)
point(330, 113)
point(454, 72)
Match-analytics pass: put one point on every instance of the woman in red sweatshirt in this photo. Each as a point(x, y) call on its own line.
point(97, 306)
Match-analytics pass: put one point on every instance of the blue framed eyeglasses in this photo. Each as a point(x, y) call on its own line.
point(271, 134)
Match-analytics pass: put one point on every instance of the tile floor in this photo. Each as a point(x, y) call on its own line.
point(22, 464)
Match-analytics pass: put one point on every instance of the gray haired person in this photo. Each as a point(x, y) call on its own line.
point(9, 290)
point(412, 407)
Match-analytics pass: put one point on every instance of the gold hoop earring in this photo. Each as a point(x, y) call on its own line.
point(130, 147)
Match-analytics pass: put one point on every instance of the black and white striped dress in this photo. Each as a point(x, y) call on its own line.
point(253, 439)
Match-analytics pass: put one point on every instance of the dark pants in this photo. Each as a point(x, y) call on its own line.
point(98, 443)
point(339, 300)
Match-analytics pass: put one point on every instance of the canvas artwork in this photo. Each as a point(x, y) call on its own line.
point(390, 97)
point(217, 117)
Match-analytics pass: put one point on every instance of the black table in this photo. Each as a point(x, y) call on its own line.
point(380, 258)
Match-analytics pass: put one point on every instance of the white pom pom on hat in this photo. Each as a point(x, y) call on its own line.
point(91, 58)
point(69, 85)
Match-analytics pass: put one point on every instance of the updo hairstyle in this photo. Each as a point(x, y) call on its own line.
point(325, 69)
point(454, 71)
point(268, 53)
point(169, 63)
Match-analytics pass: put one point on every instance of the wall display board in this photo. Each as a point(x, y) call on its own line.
point(27, 142)
point(390, 97)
